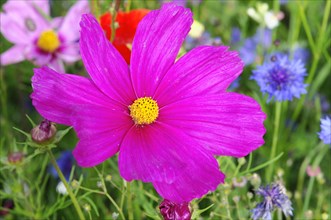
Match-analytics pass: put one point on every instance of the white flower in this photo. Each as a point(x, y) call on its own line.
point(263, 16)
point(60, 188)
point(197, 29)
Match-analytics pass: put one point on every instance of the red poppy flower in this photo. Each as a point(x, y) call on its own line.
point(128, 22)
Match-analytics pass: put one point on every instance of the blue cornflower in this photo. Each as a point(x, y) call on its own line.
point(65, 163)
point(204, 39)
point(235, 35)
point(248, 51)
point(302, 54)
point(281, 77)
point(234, 85)
point(274, 197)
point(325, 134)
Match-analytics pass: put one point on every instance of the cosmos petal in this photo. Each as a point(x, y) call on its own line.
point(197, 180)
point(103, 62)
point(42, 5)
point(57, 65)
point(11, 30)
point(58, 97)
point(146, 155)
point(227, 124)
point(14, 54)
point(203, 70)
point(156, 153)
point(69, 53)
point(158, 39)
point(100, 138)
point(25, 20)
point(70, 25)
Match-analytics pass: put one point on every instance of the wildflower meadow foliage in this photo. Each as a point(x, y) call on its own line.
point(175, 110)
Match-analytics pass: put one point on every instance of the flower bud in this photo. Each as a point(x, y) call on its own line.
point(108, 178)
point(313, 171)
point(239, 182)
point(87, 207)
point(241, 161)
point(173, 211)
point(255, 180)
point(15, 158)
point(44, 132)
point(5, 207)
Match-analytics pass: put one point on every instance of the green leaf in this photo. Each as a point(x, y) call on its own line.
point(197, 213)
point(60, 134)
point(31, 121)
point(93, 205)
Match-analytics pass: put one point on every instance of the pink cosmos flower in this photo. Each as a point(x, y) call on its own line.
point(166, 119)
point(42, 41)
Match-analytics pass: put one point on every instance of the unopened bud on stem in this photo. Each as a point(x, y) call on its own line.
point(173, 211)
point(44, 132)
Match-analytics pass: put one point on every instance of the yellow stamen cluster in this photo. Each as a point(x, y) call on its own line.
point(144, 111)
point(48, 41)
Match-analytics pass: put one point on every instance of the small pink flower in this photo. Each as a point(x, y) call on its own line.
point(166, 118)
point(42, 41)
point(311, 171)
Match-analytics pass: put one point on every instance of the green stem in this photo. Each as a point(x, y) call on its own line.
point(302, 170)
point(237, 170)
point(122, 196)
point(129, 197)
point(259, 167)
point(228, 206)
point(317, 161)
point(113, 13)
point(306, 27)
point(95, 8)
point(116, 206)
point(317, 50)
point(249, 161)
point(238, 210)
point(63, 179)
point(108, 196)
point(278, 110)
point(128, 5)
point(4, 110)
point(276, 6)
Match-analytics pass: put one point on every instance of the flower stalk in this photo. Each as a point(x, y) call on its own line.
point(316, 163)
point(278, 110)
point(63, 179)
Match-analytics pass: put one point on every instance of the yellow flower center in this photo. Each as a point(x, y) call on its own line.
point(48, 41)
point(144, 110)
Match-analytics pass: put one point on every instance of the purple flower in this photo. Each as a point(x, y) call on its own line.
point(42, 41)
point(234, 85)
point(302, 54)
point(235, 35)
point(325, 134)
point(166, 118)
point(274, 196)
point(248, 51)
point(182, 2)
point(281, 78)
point(65, 163)
point(283, 2)
point(205, 39)
point(174, 211)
